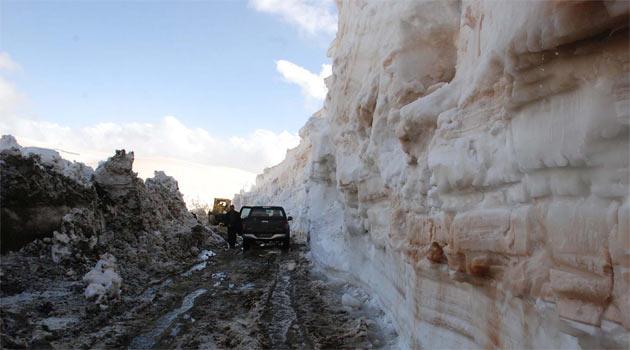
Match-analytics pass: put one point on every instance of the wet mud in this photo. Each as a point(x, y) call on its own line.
point(265, 298)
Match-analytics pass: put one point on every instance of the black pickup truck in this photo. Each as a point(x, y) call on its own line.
point(265, 224)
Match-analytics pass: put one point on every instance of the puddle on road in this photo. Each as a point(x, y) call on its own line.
point(197, 267)
point(59, 292)
point(247, 286)
point(149, 294)
point(203, 257)
point(149, 339)
point(58, 323)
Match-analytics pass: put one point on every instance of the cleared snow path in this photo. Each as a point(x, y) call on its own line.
point(261, 299)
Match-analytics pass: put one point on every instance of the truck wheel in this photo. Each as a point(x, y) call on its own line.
point(246, 244)
point(286, 243)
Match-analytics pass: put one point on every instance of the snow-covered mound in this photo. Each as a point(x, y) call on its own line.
point(470, 166)
point(47, 208)
point(80, 253)
point(37, 189)
point(78, 172)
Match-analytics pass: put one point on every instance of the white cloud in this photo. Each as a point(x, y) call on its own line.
point(204, 165)
point(312, 84)
point(312, 16)
point(7, 64)
point(10, 98)
point(168, 138)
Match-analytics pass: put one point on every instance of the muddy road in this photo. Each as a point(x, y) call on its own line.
point(265, 298)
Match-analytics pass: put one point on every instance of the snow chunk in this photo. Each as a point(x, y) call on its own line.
point(9, 142)
point(206, 254)
point(115, 175)
point(103, 280)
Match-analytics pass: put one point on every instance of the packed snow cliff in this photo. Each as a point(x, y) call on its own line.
point(471, 167)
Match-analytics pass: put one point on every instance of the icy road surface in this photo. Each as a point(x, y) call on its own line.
point(265, 298)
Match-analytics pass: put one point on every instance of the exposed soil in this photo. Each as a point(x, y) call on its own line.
point(265, 298)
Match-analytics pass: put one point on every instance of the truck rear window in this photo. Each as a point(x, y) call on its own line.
point(265, 213)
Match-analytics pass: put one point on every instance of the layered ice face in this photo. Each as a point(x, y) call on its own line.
point(470, 166)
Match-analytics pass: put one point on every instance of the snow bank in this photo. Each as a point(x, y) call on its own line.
point(144, 223)
point(103, 281)
point(471, 158)
point(76, 171)
point(55, 228)
point(37, 190)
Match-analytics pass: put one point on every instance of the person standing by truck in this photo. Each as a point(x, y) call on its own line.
point(233, 220)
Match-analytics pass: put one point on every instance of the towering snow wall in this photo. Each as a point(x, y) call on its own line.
point(470, 166)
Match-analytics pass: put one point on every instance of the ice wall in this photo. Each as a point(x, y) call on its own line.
point(470, 166)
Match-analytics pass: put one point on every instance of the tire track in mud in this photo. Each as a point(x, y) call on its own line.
point(280, 315)
point(147, 340)
point(263, 299)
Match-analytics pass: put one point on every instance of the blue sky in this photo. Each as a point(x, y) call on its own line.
point(210, 91)
point(209, 63)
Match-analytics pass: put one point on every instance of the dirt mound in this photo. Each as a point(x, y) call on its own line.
point(61, 220)
point(35, 196)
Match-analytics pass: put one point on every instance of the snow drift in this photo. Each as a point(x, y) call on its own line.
point(470, 166)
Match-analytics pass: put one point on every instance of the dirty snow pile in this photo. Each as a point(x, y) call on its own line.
point(92, 236)
point(103, 281)
point(470, 167)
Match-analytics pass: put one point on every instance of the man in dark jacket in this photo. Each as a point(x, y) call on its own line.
point(233, 220)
